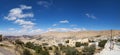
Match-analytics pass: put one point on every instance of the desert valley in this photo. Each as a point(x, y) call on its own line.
point(60, 43)
point(59, 27)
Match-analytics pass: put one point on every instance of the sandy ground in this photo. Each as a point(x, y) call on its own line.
point(1, 53)
point(5, 52)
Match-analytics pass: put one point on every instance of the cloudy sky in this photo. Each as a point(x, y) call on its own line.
point(37, 16)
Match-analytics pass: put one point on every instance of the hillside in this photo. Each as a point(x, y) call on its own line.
point(81, 34)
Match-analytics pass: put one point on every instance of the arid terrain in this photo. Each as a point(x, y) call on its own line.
point(82, 34)
point(77, 41)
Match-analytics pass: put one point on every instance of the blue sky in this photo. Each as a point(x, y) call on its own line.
point(58, 15)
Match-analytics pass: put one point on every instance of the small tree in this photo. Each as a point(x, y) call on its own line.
point(118, 40)
point(88, 50)
point(78, 44)
point(67, 41)
point(61, 46)
point(38, 49)
point(26, 52)
point(29, 45)
point(55, 47)
point(84, 44)
point(45, 53)
point(50, 48)
point(45, 48)
point(70, 51)
point(19, 42)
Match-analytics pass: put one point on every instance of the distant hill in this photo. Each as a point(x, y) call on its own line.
point(70, 34)
point(81, 34)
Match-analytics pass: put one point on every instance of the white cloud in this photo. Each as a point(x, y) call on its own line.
point(16, 13)
point(90, 16)
point(27, 27)
point(45, 4)
point(57, 29)
point(25, 7)
point(36, 31)
point(18, 16)
point(23, 22)
point(73, 25)
point(54, 24)
point(22, 32)
point(64, 21)
point(79, 29)
point(66, 29)
point(11, 29)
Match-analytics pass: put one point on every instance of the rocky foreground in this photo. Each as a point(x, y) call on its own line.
point(108, 51)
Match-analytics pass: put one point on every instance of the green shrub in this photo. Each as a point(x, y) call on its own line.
point(102, 43)
point(2, 45)
point(71, 51)
point(56, 48)
point(84, 44)
point(57, 53)
point(61, 46)
point(88, 50)
point(50, 48)
point(78, 44)
point(44, 44)
point(26, 52)
point(45, 48)
point(38, 49)
point(19, 42)
point(67, 41)
point(98, 36)
point(29, 45)
point(43, 53)
point(118, 40)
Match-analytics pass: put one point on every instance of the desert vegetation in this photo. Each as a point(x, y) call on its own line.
point(102, 43)
point(51, 45)
point(0, 37)
point(56, 50)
